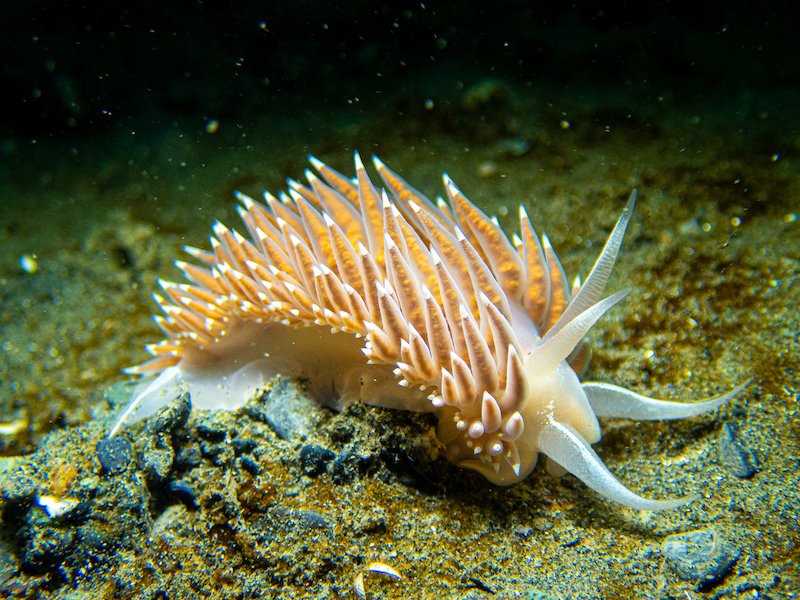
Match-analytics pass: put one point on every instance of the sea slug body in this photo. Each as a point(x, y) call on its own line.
point(382, 296)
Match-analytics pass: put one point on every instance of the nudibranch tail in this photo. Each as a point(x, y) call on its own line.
point(379, 295)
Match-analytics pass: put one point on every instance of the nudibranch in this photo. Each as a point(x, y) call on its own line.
point(381, 296)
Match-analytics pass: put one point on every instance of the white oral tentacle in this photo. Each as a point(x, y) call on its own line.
point(565, 446)
point(608, 400)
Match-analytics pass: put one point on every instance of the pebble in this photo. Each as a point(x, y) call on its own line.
point(702, 556)
point(372, 523)
point(213, 451)
point(314, 459)
point(296, 520)
point(250, 465)
point(212, 426)
point(523, 533)
point(287, 410)
point(171, 417)
point(348, 466)
point(187, 458)
point(156, 458)
point(734, 455)
point(114, 454)
point(243, 445)
point(184, 492)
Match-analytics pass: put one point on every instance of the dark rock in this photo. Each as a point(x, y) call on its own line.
point(348, 466)
point(243, 446)
point(171, 417)
point(287, 410)
point(184, 492)
point(95, 545)
point(43, 546)
point(702, 556)
point(314, 459)
point(280, 528)
point(249, 465)
point(523, 533)
point(372, 523)
point(734, 455)
point(341, 431)
point(114, 454)
point(407, 461)
point(286, 519)
point(187, 458)
point(312, 519)
point(156, 458)
point(212, 426)
point(212, 450)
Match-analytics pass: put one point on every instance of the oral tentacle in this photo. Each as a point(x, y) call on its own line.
point(565, 446)
point(608, 400)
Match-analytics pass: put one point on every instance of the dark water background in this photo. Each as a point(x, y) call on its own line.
point(80, 68)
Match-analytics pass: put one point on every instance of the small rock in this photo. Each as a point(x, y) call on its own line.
point(407, 461)
point(703, 556)
point(348, 466)
point(42, 547)
point(114, 454)
point(523, 533)
point(213, 452)
point(734, 455)
point(184, 492)
point(287, 410)
point(187, 458)
point(212, 426)
point(156, 458)
point(249, 465)
point(294, 520)
point(341, 431)
point(372, 523)
point(314, 459)
point(243, 445)
point(172, 416)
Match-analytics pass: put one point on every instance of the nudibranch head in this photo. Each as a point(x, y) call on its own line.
point(382, 296)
